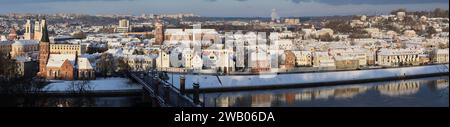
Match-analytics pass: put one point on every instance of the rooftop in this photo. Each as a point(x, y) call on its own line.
point(57, 60)
point(25, 42)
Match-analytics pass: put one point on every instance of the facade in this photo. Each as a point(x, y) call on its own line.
point(139, 62)
point(323, 59)
point(38, 32)
point(177, 35)
point(285, 44)
point(28, 35)
point(197, 63)
point(440, 56)
point(218, 59)
point(398, 57)
point(24, 48)
point(61, 66)
point(124, 26)
point(289, 60)
point(26, 67)
point(346, 63)
point(67, 49)
point(85, 69)
point(295, 21)
point(159, 33)
point(361, 55)
point(259, 62)
point(163, 60)
point(303, 58)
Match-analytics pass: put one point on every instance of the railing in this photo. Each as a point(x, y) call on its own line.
point(165, 93)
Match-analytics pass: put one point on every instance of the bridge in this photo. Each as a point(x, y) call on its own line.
point(164, 94)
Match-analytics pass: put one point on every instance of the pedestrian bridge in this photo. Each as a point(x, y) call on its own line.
point(164, 94)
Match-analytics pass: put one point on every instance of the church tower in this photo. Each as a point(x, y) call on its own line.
point(159, 32)
point(44, 50)
point(37, 30)
point(28, 35)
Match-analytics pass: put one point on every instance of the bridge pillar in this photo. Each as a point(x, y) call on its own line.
point(157, 83)
point(182, 85)
point(196, 95)
point(167, 92)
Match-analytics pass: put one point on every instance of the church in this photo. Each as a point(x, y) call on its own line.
point(59, 66)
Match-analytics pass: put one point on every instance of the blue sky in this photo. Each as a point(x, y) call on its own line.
point(220, 8)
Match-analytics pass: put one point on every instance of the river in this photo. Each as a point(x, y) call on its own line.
point(424, 92)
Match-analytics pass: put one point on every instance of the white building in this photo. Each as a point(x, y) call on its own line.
point(440, 55)
point(323, 59)
point(139, 62)
point(218, 59)
point(398, 57)
point(24, 48)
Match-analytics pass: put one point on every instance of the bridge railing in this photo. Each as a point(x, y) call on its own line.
point(170, 95)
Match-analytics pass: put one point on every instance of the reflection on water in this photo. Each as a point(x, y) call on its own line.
point(415, 92)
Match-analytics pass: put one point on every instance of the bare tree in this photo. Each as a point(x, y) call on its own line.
point(106, 62)
point(80, 87)
point(122, 65)
point(8, 67)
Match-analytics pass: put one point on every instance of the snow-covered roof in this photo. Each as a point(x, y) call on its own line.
point(190, 31)
point(57, 60)
point(302, 53)
point(5, 42)
point(83, 63)
point(25, 42)
point(340, 58)
point(117, 51)
point(385, 51)
point(139, 57)
point(442, 51)
point(23, 59)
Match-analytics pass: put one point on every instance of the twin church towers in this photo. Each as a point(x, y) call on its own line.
point(34, 31)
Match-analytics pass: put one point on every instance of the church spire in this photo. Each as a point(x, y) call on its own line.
point(45, 37)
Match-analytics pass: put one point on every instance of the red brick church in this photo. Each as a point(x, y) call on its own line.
point(61, 66)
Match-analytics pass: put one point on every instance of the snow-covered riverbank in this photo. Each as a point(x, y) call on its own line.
point(99, 85)
point(236, 81)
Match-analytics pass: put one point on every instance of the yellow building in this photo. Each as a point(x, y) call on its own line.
point(67, 49)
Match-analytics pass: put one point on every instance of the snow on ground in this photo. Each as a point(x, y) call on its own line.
point(210, 81)
point(101, 84)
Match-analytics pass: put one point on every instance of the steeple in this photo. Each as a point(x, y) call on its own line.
point(45, 37)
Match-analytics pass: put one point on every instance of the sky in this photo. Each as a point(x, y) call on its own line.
point(220, 8)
